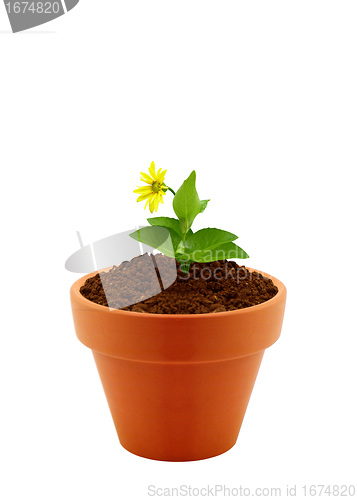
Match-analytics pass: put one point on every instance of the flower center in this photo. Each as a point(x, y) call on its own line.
point(156, 187)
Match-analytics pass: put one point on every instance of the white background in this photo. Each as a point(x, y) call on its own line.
point(260, 98)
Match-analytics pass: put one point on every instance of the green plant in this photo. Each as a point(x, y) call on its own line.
point(174, 237)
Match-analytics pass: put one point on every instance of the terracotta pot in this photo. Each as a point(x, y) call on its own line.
point(177, 385)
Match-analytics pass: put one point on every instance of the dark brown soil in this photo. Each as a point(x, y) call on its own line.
point(144, 285)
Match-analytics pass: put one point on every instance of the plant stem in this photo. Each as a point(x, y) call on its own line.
point(172, 191)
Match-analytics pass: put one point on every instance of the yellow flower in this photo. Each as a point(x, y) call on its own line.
point(154, 191)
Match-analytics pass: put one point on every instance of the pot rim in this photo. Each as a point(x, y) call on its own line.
point(75, 289)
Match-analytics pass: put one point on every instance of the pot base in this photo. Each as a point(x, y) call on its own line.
point(178, 411)
point(178, 460)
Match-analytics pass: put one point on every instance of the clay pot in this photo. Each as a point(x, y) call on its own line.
point(178, 385)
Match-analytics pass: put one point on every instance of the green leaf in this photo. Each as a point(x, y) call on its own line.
point(169, 223)
point(230, 251)
point(203, 205)
point(186, 203)
point(163, 239)
point(208, 239)
point(208, 245)
point(226, 251)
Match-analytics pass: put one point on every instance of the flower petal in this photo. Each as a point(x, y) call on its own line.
point(152, 204)
point(146, 178)
point(161, 177)
point(147, 201)
point(143, 197)
point(143, 189)
point(156, 204)
point(152, 170)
